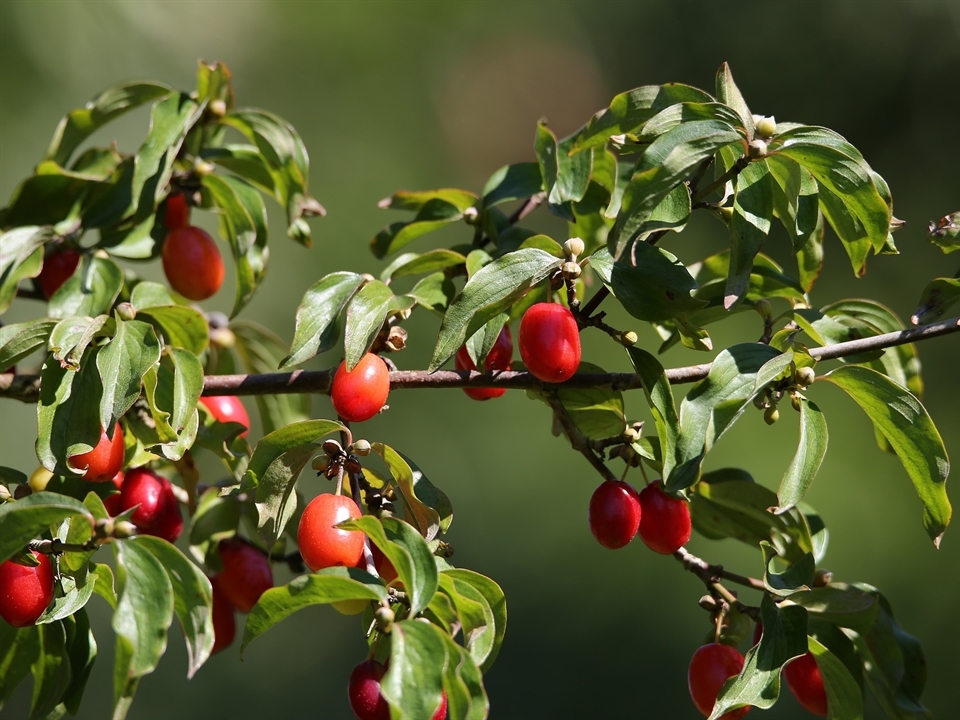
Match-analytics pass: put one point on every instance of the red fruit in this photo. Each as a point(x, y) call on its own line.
point(224, 621)
point(804, 680)
point(321, 544)
point(441, 713)
point(104, 461)
point(177, 213)
point(192, 263)
point(359, 394)
point(550, 342)
point(757, 632)
point(614, 514)
point(364, 692)
point(25, 591)
point(112, 502)
point(498, 358)
point(664, 521)
point(246, 574)
point(227, 408)
point(384, 567)
point(158, 513)
point(57, 269)
point(711, 666)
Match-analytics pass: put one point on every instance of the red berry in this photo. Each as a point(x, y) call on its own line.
point(25, 591)
point(441, 713)
point(246, 574)
point(192, 263)
point(384, 567)
point(227, 408)
point(364, 692)
point(664, 521)
point(177, 213)
point(112, 502)
point(358, 395)
point(158, 513)
point(711, 666)
point(804, 680)
point(105, 460)
point(614, 514)
point(57, 269)
point(321, 544)
point(550, 342)
point(224, 621)
point(498, 358)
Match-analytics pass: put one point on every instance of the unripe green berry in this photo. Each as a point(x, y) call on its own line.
point(629, 338)
point(385, 617)
point(795, 401)
point(573, 248)
point(320, 463)
point(805, 376)
point(771, 415)
point(757, 149)
point(361, 447)
point(766, 127)
point(764, 307)
point(570, 270)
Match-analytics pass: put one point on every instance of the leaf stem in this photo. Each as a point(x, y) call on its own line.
point(729, 175)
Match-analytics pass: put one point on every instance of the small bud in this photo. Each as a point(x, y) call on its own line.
point(707, 603)
point(766, 127)
point(795, 401)
point(104, 527)
point(126, 311)
point(217, 320)
point(384, 617)
point(218, 108)
point(631, 434)
point(618, 141)
point(320, 463)
point(4, 493)
point(203, 168)
point(223, 337)
point(822, 578)
point(470, 216)
point(764, 307)
point(629, 338)
point(805, 376)
point(361, 448)
point(332, 448)
point(573, 248)
point(757, 149)
point(22, 491)
point(124, 529)
point(396, 339)
point(760, 402)
point(771, 415)
point(570, 270)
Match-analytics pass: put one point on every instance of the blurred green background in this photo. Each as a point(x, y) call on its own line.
point(418, 95)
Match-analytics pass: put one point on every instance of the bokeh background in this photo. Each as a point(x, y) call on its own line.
point(418, 95)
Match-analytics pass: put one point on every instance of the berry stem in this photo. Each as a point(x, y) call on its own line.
point(577, 439)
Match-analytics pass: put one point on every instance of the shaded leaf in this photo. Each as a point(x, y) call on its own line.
point(810, 453)
point(367, 310)
point(316, 329)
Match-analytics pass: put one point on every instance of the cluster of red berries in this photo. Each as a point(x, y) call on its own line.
point(618, 514)
point(191, 260)
point(364, 692)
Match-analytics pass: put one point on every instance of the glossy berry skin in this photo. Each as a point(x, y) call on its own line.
point(664, 521)
point(805, 682)
point(112, 502)
point(711, 666)
point(614, 514)
point(192, 263)
point(246, 574)
point(227, 408)
point(358, 395)
point(441, 712)
point(364, 692)
point(224, 620)
point(177, 213)
point(57, 269)
point(321, 544)
point(550, 342)
point(159, 512)
point(105, 460)
point(25, 592)
point(498, 358)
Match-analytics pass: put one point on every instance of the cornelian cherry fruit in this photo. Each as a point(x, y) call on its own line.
point(105, 460)
point(224, 620)
point(550, 342)
point(321, 544)
point(498, 358)
point(177, 213)
point(112, 502)
point(359, 394)
point(227, 408)
point(710, 667)
point(385, 568)
point(192, 263)
point(25, 591)
point(664, 521)
point(805, 682)
point(246, 574)
point(158, 511)
point(614, 514)
point(363, 690)
point(58, 267)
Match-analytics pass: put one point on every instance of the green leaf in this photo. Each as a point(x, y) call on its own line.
point(512, 182)
point(192, 598)
point(433, 215)
point(214, 82)
point(840, 604)
point(420, 515)
point(482, 341)
point(276, 443)
point(938, 296)
point(749, 226)
point(406, 200)
point(463, 683)
point(51, 671)
point(276, 501)
point(90, 291)
point(243, 221)
point(113, 102)
point(68, 413)
point(597, 412)
point(475, 615)
point(629, 111)
point(417, 264)
point(796, 202)
point(82, 653)
point(316, 329)
point(418, 657)
point(19, 650)
point(665, 163)
point(180, 326)
point(21, 257)
point(72, 335)
point(565, 177)
point(799, 576)
point(806, 462)
point(494, 597)
point(784, 638)
point(122, 363)
point(651, 285)
point(848, 228)
point(945, 232)
point(216, 515)
point(434, 292)
point(367, 310)
point(324, 586)
point(660, 399)
point(713, 405)
point(844, 696)
point(20, 340)
point(908, 428)
point(408, 553)
point(487, 294)
point(71, 594)
point(729, 93)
